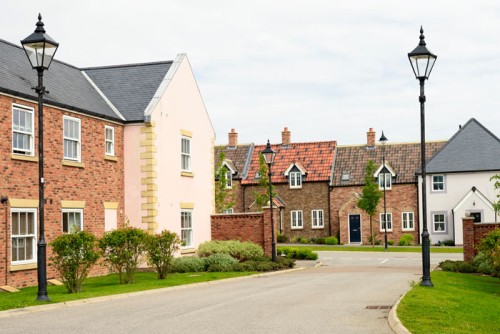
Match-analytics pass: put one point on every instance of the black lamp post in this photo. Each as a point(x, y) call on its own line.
point(40, 49)
point(383, 140)
point(269, 155)
point(422, 61)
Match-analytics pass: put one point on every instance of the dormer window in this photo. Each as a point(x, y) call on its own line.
point(388, 181)
point(229, 179)
point(295, 173)
point(295, 179)
point(346, 176)
point(384, 175)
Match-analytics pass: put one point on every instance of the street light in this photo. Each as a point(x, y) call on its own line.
point(383, 140)
point(422, 61)
point(269, 155)
point(40, 49)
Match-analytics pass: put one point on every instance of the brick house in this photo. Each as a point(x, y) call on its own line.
point(301, 176)
point(402, 161)
point(84, 151)
point(114, 152)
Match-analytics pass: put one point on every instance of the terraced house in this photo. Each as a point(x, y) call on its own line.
point(402, 163)
point(120, 145)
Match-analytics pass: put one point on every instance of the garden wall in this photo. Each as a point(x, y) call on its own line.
point(254, 227)
point(473, 233)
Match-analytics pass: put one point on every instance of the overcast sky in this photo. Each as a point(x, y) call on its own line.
point(326, 69)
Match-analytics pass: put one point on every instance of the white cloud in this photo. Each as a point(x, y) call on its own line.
point(328, 70)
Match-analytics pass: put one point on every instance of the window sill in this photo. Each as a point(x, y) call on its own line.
point(19, 267)
point(297, 228)
point(295, 187)
point(187, 174)
point(23, 157)
point(318, 228)
point(72, 164)
point(406, 230)
point(110, 158)
point(188, 251)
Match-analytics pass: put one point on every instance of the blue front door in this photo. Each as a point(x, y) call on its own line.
point(354, 228)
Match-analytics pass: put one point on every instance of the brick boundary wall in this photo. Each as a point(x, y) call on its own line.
point(254, 227)
point(473, 233)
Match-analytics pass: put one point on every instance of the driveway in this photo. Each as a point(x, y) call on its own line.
point(350, 293)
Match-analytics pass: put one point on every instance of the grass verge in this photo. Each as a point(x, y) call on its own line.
point(458, 303)
point(394, 249)
point(109, 285)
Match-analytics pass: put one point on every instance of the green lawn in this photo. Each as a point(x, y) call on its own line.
point(108, 285)
point(395, 249)
point(458, 303)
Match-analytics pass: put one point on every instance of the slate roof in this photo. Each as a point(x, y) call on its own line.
point(67, 87)
point(239, 155)
point(472, 148)
point(130, 88)
point(316, 157)
point(404, 158)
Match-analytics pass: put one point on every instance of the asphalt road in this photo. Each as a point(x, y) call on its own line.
point(350, 293)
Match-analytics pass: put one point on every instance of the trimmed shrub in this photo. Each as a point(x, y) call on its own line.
point(281, 238)
point(297, 253)
point(221, 260)
point(161, 249)
point(187, 264)
point(122, 249)
point(298, 239)
point(406, 240)
point(321, 241)
point(448, 242)
point(73, 255)
point(458, 266)
point(332, 241)
point(242, 251)
point(390, 242)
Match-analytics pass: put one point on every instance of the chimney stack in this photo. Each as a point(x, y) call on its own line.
point(286, 137)
point(370, 138)
point(233, 138)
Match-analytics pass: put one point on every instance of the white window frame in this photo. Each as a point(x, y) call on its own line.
point(18, 236)
point(318, 219)
point(296, 220)
point(230, 210)
point(109, 141)
point(185, 154)
point(388, 181)
point(434, 222)
point(69, 212)
point(382, 222)
point(229, 179)
point(77, 140)
point(437, 183)
point(30, 134)
point(408, 219)
point(295, 180)
point(187, 231)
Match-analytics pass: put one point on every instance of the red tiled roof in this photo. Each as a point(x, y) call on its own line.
point(315, 157)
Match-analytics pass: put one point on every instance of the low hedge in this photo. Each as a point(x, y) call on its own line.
point(297, 253)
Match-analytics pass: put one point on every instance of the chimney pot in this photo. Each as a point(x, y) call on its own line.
point(370, 138)
point(232, 138)
point(286, 137)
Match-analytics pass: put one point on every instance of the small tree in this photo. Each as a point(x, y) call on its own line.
point(122, 249)
point(224, 197)
point(496, 185)
point(161, 249)
point(371, 195)
point(262, 194)
point(73, 256)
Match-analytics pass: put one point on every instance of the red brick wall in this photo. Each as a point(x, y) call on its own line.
point(312, 196)
point(254, 227)
point(401, 198)
point(100, 181)
point(473, 233)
